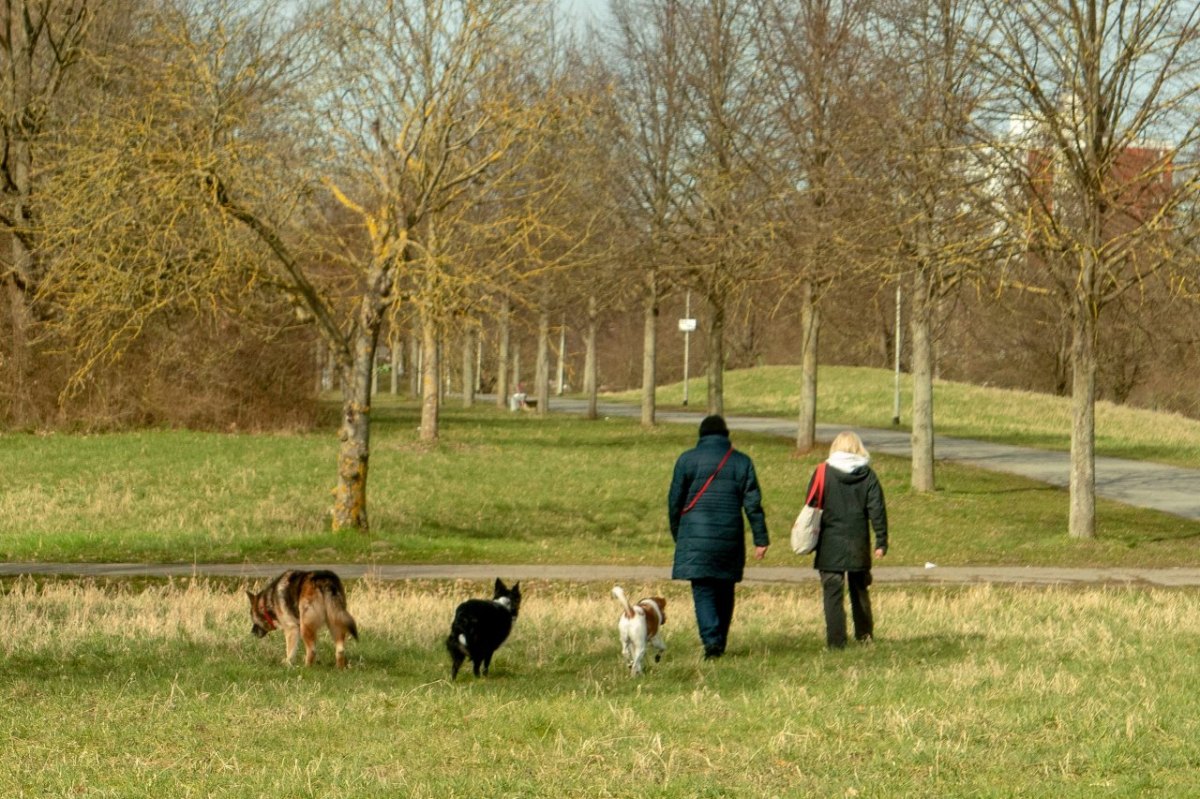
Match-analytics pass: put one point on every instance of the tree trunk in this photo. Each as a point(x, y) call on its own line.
point(649, 347)
point(810, 328)
point(414, 358)
point(468, 368)
point(1062, 357)
point(22, 282)
point(329, 364)
point(502, 335)
point(431, 384)
point(589, 361)
point(921, 326)
point(560, 379)
point(542, 378)
point(397, 351)
point(319, 363)
point(1082, 519)
point(517, 383)
point(19, 357)
point(443, 374)
point(358, 366)
point(715, 361)
point(354, 451)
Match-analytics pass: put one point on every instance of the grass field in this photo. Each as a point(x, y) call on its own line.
point(158, 689)
point(500, 488)
point(152, 688)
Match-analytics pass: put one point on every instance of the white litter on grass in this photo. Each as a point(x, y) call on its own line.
point(929, 565)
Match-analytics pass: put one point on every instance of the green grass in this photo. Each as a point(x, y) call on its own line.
point(863, 397)
point(506, 489)
point(500, 488)
point(159, 690)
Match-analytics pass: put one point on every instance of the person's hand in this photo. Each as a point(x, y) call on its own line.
point(760, 553)
point(879, 553)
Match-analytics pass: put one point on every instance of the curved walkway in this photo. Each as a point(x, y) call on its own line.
point(1170, 489)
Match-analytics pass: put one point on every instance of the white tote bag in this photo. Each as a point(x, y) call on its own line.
point(807, 529)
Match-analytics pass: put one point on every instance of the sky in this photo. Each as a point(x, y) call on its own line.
point(584, 10)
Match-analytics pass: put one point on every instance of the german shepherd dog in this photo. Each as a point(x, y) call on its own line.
point(302, 602)
point(480, 626)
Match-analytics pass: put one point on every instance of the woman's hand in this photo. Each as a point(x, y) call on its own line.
point(879, 553)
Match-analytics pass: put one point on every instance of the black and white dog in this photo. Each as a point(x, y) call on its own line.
point(480, 626)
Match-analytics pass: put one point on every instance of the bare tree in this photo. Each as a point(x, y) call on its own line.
point(931, 182)
point(816, 56)
point(41, 44)
point(348, 152)
point(650, 120)
point(1101, 97)
point(726, 125)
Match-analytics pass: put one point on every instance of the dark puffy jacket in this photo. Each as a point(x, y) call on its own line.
point(852, 500)
point(710, 539)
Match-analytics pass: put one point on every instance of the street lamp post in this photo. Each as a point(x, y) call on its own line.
point(687, 324)
point(896, 403)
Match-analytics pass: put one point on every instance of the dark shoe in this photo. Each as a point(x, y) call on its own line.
point(712, 652)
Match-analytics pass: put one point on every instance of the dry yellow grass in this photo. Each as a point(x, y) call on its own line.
point(969, 691)
point(1103, 622)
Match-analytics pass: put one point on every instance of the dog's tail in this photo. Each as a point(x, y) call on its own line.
point(456, 645)
point(619, 593)
point(337, 616)
point(349, 622)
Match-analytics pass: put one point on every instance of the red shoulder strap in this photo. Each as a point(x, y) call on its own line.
point(818, 487)
point(707, 482)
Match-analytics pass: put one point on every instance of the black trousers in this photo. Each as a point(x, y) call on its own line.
point(833, 586)
point(714, 612)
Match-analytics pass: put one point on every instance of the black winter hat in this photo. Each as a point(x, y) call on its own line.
point(713, 426)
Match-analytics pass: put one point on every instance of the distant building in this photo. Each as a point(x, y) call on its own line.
point(1139, 183)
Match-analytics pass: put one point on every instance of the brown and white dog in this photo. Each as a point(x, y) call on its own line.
point(302, 602)
point(639, 626)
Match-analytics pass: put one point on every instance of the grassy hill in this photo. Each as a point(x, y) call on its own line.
point(864, 397)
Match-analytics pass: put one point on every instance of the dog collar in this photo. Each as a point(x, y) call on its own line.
point(272, 622)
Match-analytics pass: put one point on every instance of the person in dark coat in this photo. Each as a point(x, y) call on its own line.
point(708, 528)
point(853, 500)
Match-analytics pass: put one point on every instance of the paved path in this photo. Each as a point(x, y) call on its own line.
point(1170, 489)
point(800, 572)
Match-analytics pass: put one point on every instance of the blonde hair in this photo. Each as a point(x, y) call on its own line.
point(848, 441)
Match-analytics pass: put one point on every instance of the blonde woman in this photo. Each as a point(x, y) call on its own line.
point(853, 504)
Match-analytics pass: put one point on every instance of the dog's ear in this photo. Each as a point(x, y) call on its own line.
point(516, 589)
point(250, 595)
point(662, 603)
point(500, 588)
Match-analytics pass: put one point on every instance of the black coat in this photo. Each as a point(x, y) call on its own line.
point(852, 501)
point(710, 539)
